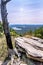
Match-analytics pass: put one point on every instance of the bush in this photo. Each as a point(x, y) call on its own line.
point(39, 32)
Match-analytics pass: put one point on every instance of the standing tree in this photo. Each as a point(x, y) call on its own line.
point(6, 27)
point(5, 23)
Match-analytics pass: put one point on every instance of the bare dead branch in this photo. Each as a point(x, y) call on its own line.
point(5, 2)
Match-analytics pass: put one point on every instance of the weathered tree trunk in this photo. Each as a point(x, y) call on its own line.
point(5, 23)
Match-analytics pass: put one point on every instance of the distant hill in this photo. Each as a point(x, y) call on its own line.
point(35, 30)
point(21, 29)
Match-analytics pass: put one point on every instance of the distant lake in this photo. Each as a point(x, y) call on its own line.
point(24, 28)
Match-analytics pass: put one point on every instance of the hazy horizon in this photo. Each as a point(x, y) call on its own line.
point(24, 24)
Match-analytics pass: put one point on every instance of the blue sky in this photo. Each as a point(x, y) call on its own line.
point(25, 11)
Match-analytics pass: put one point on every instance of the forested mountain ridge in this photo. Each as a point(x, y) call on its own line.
point(37, 32)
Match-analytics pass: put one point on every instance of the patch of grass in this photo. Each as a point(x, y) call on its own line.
point(3, 47)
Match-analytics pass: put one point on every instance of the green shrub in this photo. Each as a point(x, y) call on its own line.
point(39, 32)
